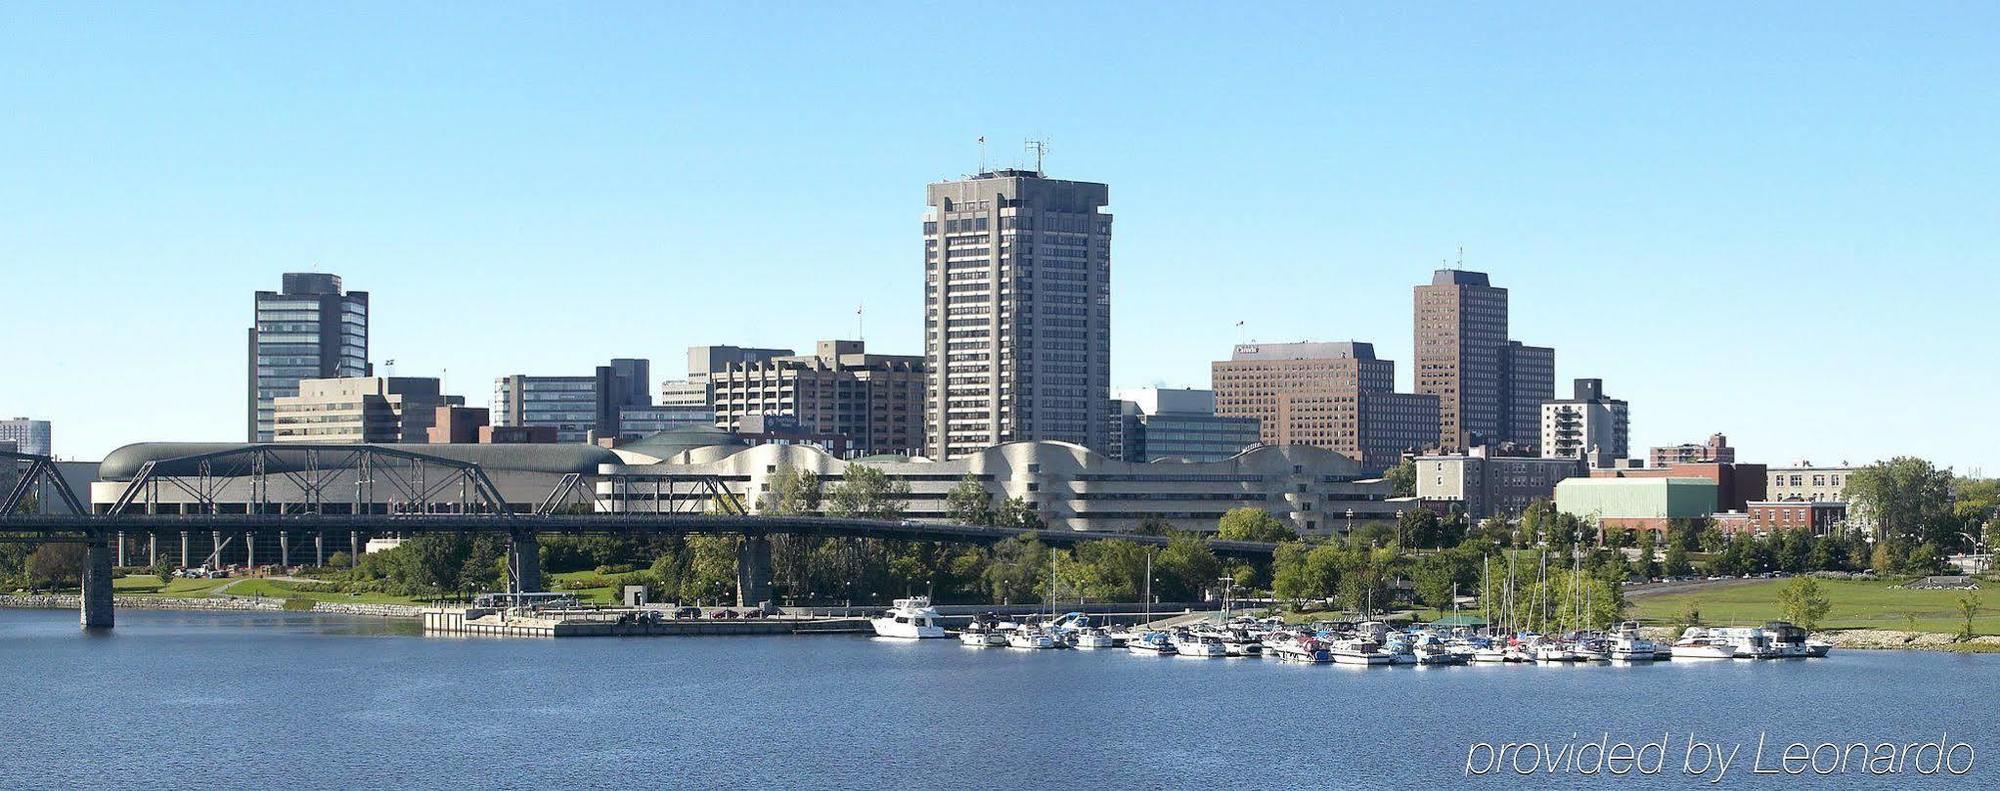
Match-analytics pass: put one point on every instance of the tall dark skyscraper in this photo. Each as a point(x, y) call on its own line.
point(1490, 389)
point(307, 330)
point(1461, 340)
point(1017, 312)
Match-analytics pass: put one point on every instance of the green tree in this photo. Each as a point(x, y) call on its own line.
point(1250, 523)
point(435, 560)
point(1017, 513)
point(1649, 544)
point(969, 502)
point(1185, 568)
point(1110, 570)
point(55, 566)
point(1436, 577)
point(1417, 527)
point(792, 492)
point(1804, 602)
point(1906, 497)
point(1289, 580)
point(163, 568)
point(1968, 607)
point(1677, 560)
point(710, 574)
point(1014, 573)
point(1403, 478)
point(1691, 612)
point(867, 492)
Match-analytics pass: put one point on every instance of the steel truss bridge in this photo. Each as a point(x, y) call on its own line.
point(364, 490)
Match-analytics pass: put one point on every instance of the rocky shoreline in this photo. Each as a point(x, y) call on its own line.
point(70, 601)
point(1869, 639)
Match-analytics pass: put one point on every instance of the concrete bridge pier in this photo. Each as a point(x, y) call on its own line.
point(97, 581)
point(152, 548)
point(319, 548)
point(353, 546)
point(753, 570)
point(185, 560)
point(285, 548)
point(250, 549)
point(121, 549)
point(524, 561)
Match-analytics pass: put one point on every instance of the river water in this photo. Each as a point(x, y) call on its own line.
point(265, 700)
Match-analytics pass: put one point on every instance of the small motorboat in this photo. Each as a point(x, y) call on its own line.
point(1157, 643)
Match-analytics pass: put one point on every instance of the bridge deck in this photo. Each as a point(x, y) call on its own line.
point(48, 526)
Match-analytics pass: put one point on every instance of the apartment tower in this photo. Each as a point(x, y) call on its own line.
point(1017, 312)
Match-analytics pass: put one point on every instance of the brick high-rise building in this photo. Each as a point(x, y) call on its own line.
point(1017, 312)
point(1527, 378)
point(1461, 343)
point(1337, 396)
point(1490, 389)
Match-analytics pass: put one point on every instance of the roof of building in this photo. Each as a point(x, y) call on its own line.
point(558, 459)
point(681, 439)
point(1304, 350)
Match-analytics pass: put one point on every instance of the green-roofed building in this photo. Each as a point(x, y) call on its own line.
point(1636, 503)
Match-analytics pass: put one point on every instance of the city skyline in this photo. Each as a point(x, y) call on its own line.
point(1688, 244)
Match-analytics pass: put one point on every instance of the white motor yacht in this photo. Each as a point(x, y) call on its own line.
point(982, 634)
point(1698, 643)
point(1096, 637)
point(1628, 646)
point(1818, 648)
point(909, 619)
point(1360, 651)
point(1030, 637)
point(1199, 644)
point(1786, 641)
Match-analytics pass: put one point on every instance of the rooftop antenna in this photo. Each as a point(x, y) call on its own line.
point(1461, 256)
point(1239, 332)
point(982, 153)
point(1040, 148)
point(859, 335)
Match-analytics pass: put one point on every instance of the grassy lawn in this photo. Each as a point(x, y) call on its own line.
point(147, 584)
point(278, 589)
point(600, 595)
point(1856, 605)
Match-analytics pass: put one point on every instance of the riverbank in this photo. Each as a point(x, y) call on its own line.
point(70, 601)
point(1869, 640)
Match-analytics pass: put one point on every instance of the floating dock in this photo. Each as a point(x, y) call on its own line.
point(494, 622)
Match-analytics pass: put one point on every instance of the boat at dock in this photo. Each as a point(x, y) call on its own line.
point(1360, 651)
point(1297, 647)
point(1031, 637)
point(909, 619)
point(1698, 643)
point(1199, 644)
point(1159, 643)
point(1628, 646)
point(983, 633)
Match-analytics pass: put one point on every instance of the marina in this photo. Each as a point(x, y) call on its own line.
point(213, 682)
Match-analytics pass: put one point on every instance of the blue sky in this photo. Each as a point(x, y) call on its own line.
point(1779, 222)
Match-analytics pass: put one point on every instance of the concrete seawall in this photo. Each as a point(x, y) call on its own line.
point(70, 601)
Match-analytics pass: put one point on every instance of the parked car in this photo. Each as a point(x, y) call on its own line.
point(687, 614)
point(724, 615)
